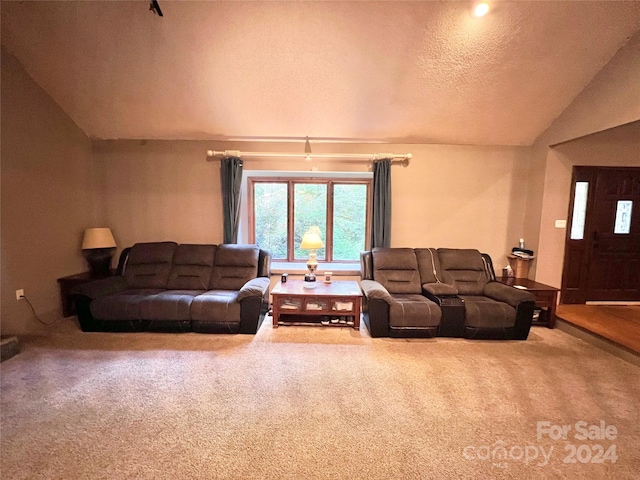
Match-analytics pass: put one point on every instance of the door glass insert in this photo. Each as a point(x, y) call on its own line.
point(579, 210)
point(623, 217)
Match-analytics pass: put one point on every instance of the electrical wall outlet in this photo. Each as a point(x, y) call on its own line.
point(19, 294)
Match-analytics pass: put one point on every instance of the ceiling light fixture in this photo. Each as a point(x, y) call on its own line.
point(480, 9)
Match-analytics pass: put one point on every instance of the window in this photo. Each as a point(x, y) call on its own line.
point(282, 209)
point(579, 210)
point(623, 217)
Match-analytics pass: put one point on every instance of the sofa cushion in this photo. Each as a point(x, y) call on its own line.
point(234, 265)
point(191, 269)
point(124, 305)
point(148, 264)
point(464, 269)
point(410, 310)
point(219, 306)
point(484, 312)
point(169, 305)
point(396, 269)
point(429, 265)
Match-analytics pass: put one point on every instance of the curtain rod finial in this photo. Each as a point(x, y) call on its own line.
point(209, 153)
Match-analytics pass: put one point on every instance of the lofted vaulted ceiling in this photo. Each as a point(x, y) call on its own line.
point(402, 72)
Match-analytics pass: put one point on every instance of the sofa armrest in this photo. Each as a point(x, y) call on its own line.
point(255, 287)
point(375, 308)
point(102, 287)
point(521, 300)
point(439, 289)
point(254, 304)
point(86, 293)
point(505, 293)
point(375, 291)
point(377, 300)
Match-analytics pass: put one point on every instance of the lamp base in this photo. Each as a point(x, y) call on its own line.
point(99, 260)
point(310, 281)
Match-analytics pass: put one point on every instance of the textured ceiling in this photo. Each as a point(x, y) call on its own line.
point(406, 72)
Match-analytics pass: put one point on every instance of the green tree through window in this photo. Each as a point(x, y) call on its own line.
point(271, 217)
point(284, 209)
point(349, 221)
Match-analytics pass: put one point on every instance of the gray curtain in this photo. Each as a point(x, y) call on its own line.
point(381, 228)
point(231, 177)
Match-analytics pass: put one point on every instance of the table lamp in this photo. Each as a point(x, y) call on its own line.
point(311, 241)
point(98, 246)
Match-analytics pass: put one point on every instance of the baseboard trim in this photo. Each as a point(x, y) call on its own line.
point(605, 302)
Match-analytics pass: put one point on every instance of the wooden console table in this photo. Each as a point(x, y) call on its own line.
point(546, 298)
point(335, 304)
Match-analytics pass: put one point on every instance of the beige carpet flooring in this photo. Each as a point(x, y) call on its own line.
point(314, 403)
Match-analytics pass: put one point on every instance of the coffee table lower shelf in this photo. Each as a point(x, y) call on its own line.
point(315, 320)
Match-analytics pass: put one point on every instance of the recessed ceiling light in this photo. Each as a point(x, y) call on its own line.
point(480, 9)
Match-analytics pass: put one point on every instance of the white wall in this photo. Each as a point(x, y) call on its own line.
point(449, 196)
point(47, 199)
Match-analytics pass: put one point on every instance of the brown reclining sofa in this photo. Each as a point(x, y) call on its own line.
point(163, 286)
point(428, 292)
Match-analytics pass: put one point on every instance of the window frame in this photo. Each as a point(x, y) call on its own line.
point(330, 182)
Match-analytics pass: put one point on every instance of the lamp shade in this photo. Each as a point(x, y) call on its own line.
point(98, 238)
point(311, 240)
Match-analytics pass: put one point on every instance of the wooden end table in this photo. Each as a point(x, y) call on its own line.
point(546, 298)
point(67, 284)
point(337, 304)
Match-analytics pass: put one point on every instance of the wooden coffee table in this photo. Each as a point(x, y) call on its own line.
point(336, 304)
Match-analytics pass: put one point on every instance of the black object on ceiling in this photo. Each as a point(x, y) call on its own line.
point(155, 8)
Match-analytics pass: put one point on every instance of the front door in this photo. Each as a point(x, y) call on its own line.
point(602, 250)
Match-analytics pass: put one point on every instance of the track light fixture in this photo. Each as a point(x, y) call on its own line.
point(155, 8)
point(307, 150)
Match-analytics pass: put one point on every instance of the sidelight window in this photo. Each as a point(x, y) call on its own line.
point(579, 210)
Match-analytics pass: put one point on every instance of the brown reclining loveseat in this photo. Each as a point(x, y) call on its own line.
point(427, 292)
point(163, 286)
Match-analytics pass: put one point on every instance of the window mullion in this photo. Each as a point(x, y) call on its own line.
point(329, 226)
point(368, 226)
point(251, 212)
point(290, 223)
